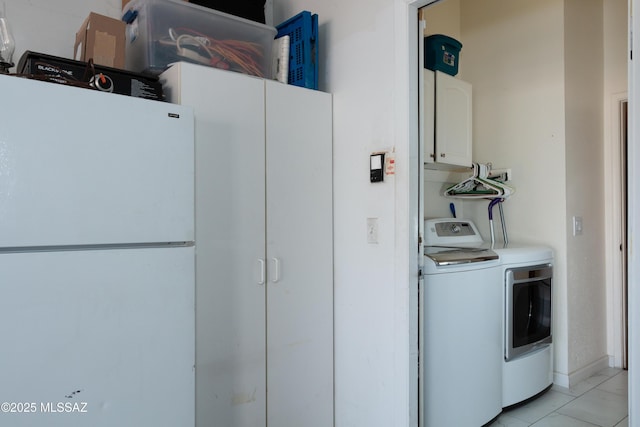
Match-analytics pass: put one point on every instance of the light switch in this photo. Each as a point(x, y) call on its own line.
point(372, 230)
point(577, 225)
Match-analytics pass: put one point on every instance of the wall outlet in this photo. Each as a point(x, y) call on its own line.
point(502, 175)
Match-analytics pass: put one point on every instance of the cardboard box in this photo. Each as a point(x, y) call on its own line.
point(102, 39)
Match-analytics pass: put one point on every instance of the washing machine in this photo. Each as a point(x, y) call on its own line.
point(461, 343)
point(527, 366)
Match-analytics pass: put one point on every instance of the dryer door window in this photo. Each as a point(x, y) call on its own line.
point(529, 309)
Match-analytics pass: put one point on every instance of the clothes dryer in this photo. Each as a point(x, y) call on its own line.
point(527, 366)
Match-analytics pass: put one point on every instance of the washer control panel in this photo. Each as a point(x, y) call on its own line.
point(451, 231)
point(454, 229)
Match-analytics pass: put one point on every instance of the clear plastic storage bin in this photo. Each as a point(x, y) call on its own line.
point(160, 32)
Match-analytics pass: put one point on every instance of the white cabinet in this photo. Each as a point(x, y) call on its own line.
point(264, 249)
point(447, 121)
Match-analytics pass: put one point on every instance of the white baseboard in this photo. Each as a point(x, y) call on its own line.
point(561, 379)
point(582, 374)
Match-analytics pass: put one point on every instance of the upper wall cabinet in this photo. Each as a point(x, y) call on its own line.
point(447, 121)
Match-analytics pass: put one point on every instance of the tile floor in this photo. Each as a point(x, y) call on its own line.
point(600, 400)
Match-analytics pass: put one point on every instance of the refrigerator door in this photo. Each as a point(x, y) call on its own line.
point(98, 338)
point(81, 167)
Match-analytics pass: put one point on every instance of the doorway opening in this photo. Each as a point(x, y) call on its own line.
point(623, 112)
point(617, 242)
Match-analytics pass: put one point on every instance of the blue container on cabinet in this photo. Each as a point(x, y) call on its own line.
point(442, 53)
point(302, 30)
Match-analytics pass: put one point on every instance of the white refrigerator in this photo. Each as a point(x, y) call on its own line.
point(96, 258)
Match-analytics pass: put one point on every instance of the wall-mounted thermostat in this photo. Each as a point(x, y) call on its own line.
point(377, 167)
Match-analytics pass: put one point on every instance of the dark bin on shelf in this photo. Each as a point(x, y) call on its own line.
point(442, 53)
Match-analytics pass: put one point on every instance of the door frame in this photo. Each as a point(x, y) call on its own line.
point(614, 211)
point(633, 215)
point(409, 83)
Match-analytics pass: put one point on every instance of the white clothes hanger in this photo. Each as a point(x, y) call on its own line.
point(479, 186)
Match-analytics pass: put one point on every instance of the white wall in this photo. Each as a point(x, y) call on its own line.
point(584, 116)
point(443, 18)
point(50, 27)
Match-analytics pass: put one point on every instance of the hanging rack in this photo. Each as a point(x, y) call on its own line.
point(505, 238)
point(479, 186)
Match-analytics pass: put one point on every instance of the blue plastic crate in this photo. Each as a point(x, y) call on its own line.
point(302, 30)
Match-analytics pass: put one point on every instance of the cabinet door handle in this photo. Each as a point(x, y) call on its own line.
point(262, 271)
point(441, 154)
point(276, 270)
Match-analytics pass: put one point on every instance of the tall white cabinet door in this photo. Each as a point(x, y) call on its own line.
point(230, 242)
point(300, 257)
point(453, 120)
